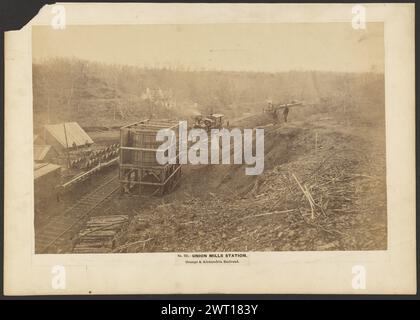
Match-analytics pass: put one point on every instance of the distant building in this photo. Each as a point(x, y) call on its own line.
point(44, 153)
point(64, 136)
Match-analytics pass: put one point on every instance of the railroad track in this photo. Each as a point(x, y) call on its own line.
point(53, 232)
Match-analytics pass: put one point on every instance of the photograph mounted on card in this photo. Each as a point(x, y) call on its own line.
point(169, 140)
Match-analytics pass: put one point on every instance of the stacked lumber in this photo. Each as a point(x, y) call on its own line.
point(100, 234)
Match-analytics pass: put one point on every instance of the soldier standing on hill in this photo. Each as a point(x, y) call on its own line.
point(275, 116)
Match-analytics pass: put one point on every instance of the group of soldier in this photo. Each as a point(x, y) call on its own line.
point(276, 111)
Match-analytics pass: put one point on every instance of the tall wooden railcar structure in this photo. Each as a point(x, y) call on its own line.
point(140, 173)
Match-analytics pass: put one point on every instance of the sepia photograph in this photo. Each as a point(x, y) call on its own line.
point(316, 92)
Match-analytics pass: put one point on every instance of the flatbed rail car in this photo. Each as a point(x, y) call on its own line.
point(52, 236)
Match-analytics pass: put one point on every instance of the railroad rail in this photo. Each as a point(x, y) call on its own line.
point(53, 232)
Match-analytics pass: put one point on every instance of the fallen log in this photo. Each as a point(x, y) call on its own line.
point(268, 213)
point(127, 245)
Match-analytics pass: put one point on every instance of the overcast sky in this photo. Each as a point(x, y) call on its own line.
point(239, 47)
